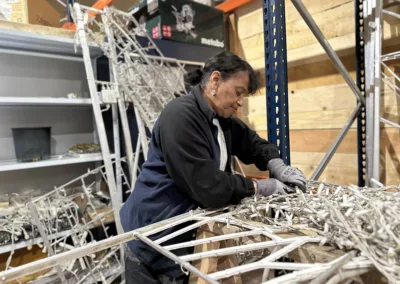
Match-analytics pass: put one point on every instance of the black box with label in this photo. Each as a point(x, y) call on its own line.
point(181, 20)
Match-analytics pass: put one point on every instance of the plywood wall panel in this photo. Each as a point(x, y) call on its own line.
point(335, 21)
point(319, 140)
point(342, 169)
point(320, 102)
point(250, 16)
point(328, 119)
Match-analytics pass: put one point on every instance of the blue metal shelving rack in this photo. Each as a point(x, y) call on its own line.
point(70, 3)
point(276, 76)
point(361, 120)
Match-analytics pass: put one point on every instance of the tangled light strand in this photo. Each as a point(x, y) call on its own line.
point(366, 219)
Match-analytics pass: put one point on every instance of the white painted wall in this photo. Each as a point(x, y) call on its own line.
point(41, 77)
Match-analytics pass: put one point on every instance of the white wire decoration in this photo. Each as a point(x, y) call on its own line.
point(145, 76)
point(61, 221)
point(362, 221)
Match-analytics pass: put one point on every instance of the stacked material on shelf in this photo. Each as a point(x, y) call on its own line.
point(60, 221)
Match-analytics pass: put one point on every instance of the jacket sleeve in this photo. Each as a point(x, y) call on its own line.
point(251, 148)
point(187, 154)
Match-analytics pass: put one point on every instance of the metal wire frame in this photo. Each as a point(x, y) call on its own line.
point(55, 212)
point(141, 73)
point(143, 234)
point(144, 75)
point(330, 211)
point(113, 45)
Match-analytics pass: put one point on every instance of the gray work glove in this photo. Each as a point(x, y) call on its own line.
point(286, 174)
point(267, 187)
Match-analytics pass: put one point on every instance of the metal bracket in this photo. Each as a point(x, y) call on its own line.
point(108, 96)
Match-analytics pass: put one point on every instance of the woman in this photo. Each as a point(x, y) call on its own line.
point(188, 164)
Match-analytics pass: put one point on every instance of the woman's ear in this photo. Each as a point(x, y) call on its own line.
point(215, 79)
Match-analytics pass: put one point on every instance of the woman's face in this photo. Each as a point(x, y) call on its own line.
point(229, 93)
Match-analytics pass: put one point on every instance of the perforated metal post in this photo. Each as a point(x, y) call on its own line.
point(70, 4)
point(276, 76)
point(361, 120)
point(372, 10)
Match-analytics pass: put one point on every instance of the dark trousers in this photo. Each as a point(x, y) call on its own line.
point(138, 273)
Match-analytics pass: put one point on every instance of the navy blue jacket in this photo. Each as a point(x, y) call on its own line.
point(182, 172)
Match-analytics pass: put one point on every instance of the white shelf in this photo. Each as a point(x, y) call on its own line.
point(12, 165)
point(37, 101)
point(39, 44)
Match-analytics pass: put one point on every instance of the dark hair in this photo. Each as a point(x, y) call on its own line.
point(228, 64)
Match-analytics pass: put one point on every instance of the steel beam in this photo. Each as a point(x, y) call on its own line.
point(372, 28)
point(360, 67)
point(276, 76)
point(328, 156)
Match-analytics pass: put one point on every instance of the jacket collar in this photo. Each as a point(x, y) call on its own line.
point(201, 101)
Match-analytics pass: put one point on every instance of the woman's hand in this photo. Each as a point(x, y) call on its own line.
point(267, 187)
point(287, 174)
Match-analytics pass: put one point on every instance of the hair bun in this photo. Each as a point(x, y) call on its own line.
point(194, 77)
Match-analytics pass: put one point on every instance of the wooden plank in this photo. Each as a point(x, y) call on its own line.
point(249, 11)
point(314, 158)
point(331, 174)
point(214, 264)
point(324, 119)
point(333, 23)
point(331, 97)
point(229, 261)
point(329, 119)
point(250, 16)
point(21, 257)
point(312, 253)
point(318, 74)
point(343, 45)
point(306, 154)
point(206, 265)
point(321, 140)
point(234, 44)
point(390, 145)
point(323, 73)
point(36, 29)
point(348, 160)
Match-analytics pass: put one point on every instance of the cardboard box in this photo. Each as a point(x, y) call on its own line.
point(181, 20)
point(35, 12)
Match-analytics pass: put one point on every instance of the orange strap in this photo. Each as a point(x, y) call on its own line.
point(231, 5)
point(99, 5)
